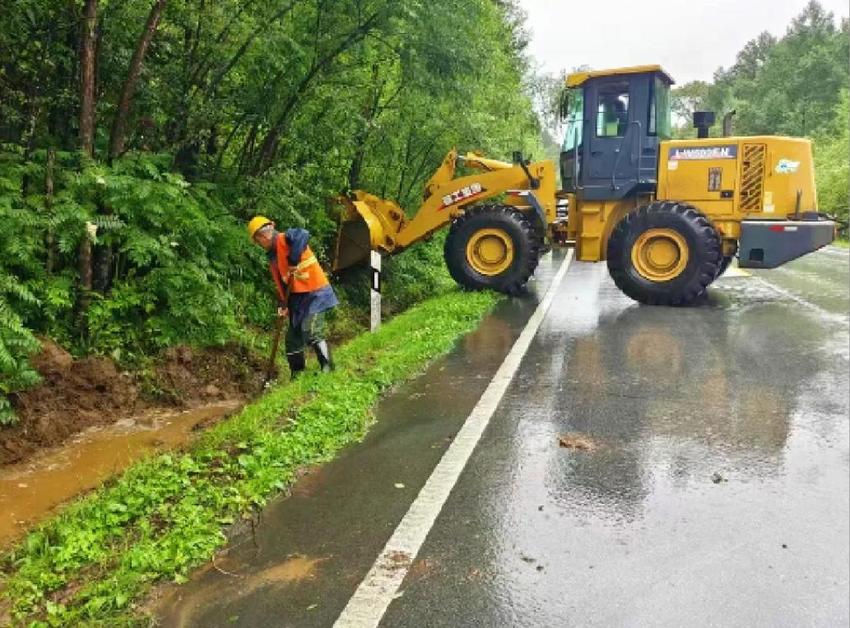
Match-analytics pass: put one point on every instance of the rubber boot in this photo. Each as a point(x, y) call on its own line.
point(323, 353)
point(297, 363)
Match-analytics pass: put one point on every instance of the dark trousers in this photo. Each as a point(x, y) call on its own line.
point(309, 332)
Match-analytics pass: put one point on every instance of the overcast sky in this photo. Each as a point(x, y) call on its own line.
point(689, 38)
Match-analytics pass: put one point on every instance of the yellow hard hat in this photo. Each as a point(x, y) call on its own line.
point(257, 223)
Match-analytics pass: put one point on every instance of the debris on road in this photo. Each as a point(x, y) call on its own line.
point(577, 441)
point(717, 478)
point(421, 568)
point(398, 559)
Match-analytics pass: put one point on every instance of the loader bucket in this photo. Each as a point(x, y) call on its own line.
point(352, 243)
point(367, 223)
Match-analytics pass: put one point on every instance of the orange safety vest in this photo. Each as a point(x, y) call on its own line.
point(307, 276)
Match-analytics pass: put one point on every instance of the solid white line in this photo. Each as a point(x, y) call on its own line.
point(372, 598)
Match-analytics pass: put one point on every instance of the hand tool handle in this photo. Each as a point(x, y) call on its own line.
point(275, 344)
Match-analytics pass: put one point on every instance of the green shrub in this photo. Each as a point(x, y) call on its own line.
point(16, 344)
point(832, 165)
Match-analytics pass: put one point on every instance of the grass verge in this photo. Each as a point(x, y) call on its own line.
point(169, 513)
point(844, 244)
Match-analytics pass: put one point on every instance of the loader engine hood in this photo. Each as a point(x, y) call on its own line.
point(760, 177)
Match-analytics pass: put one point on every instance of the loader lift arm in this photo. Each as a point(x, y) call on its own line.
point(369, 222)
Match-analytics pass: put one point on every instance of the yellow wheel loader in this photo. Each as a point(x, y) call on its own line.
point(667, 215)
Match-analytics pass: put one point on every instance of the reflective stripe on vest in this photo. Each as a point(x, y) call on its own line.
point(300, 272)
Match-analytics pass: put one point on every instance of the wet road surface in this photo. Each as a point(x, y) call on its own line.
point(710, 486)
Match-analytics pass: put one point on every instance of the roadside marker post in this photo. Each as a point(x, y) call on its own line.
point(375, 292)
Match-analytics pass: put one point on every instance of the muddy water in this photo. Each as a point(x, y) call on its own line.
point(31, 490)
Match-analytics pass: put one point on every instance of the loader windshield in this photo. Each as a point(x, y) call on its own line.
point(574, 118)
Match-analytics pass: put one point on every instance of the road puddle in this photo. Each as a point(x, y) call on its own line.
point(294, 569)
point(32, 490)
point(235, 581)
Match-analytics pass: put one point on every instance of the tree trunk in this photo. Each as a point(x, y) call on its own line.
point(118, 135)
point(87, 77)
point(102, 271)
point(85, 264)
point(48, 209)
point(29, 142)
point(88, 104)
point(361, 137)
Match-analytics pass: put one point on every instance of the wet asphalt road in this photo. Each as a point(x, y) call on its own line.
point(714, 492)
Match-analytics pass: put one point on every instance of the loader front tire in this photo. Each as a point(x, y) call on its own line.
point(665, 253)
point(492, 246)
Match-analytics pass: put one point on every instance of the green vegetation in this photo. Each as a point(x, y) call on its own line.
point(166, 124)
point(794, 85)
point(167, 515)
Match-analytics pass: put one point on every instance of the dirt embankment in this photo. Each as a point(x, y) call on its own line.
point(77, 394)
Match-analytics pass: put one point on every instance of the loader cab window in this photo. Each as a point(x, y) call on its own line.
point(659, 123)
point(612, 113)
point(574, 119)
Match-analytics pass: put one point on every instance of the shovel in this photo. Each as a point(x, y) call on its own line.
point(278, 329)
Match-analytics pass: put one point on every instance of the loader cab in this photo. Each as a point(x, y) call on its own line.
point(613, 123)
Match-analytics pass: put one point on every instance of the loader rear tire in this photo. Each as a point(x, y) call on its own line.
point(494, 247)
point(665, 253)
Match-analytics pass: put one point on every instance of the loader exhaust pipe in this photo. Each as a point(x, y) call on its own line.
point(703, 120)
point(727, 123)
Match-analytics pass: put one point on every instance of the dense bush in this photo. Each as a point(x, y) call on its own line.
point(174, 251)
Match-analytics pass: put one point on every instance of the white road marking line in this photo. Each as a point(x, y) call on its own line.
point(378, 589)
point(824, 314)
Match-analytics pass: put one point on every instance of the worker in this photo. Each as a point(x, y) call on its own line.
point(304, 291)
